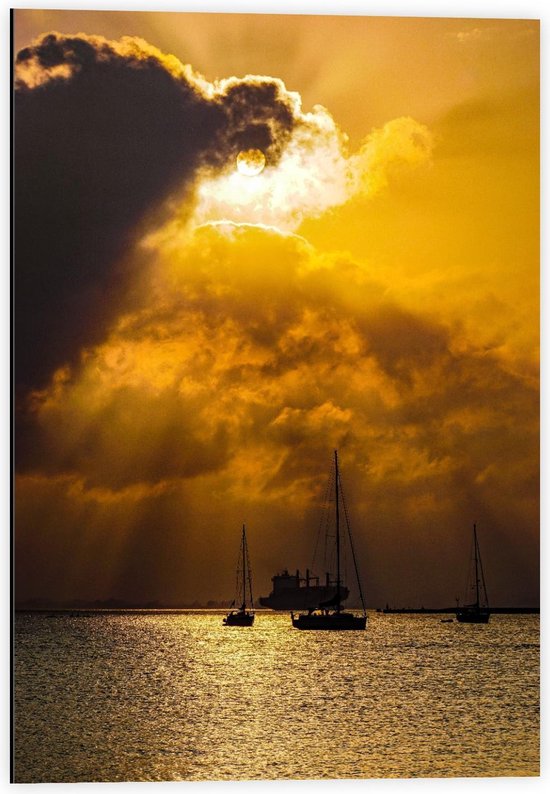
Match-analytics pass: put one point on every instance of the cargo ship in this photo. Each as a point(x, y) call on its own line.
point(293, 591)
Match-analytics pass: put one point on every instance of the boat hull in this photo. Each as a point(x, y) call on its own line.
point(239, 619)
point(337, 621)
point(473, 615)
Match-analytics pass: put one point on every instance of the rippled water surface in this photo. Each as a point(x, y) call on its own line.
point(165, 696)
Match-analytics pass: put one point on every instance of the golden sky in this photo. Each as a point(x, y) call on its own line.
point(195, 341)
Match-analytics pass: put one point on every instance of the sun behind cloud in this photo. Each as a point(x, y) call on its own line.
point(250, 162)
point(314, 173)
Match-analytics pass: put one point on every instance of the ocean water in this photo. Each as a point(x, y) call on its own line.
point(178, 696)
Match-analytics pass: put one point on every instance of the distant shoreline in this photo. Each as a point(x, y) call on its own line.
point(452, 610)
point(145, 608)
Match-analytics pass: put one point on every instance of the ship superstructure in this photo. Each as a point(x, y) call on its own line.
point(293, 591)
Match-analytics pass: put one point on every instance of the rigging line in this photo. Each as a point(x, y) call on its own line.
point(243, 544)
point(319, 528)
point(482, 575)
point(467, 585)
point(470, 581)
point(352, 549)
point(476, 567)
point(249, 569)
point(237, 579)
point(239, 573)
point(322, 521)
point(328, 561)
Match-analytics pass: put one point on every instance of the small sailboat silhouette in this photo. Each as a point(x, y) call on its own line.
point(478, 611)
point(243, 616)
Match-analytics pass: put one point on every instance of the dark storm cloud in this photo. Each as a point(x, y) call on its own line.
point(401, 341)
point(105, 132)
point(259, 115)
point(135, 437)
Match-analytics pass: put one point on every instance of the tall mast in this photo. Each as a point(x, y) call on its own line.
point(337, 532)
point(249, 575)
point(243, 543)
point(477, 574)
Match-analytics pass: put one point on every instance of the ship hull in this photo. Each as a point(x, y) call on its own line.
point(301, 598)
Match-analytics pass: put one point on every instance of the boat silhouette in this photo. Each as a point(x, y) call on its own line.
point(329, 614)
point(242, 616)
point(478, 611)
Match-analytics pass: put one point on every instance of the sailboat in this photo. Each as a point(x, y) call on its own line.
point(478, 612)
point(329, 615)
point(242, 616)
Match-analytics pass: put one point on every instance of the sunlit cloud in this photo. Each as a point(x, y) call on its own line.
point(214, 366)
point(491, 33)
point(314, 174)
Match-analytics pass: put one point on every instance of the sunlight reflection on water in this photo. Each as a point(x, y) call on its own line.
point(178, 696)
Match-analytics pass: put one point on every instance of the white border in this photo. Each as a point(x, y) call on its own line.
point(415, 8)
point(512, 9)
